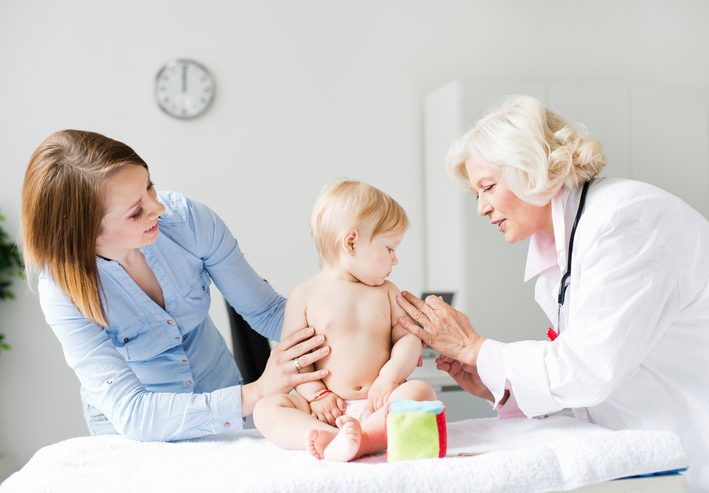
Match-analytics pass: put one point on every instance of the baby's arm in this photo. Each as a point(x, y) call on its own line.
point(324, 404)
point(405, 353)
point(406, 347)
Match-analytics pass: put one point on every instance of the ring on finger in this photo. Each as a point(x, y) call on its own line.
point(296, 365)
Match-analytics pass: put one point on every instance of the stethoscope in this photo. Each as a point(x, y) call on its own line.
point(566, 278)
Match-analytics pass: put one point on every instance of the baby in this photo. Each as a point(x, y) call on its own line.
point(357, 229)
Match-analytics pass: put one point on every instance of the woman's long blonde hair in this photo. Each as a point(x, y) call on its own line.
point(62, 209)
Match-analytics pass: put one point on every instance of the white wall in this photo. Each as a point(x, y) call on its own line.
point(306, 92)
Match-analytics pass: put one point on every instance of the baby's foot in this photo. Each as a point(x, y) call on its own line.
point(345, 446)
point(316, 441)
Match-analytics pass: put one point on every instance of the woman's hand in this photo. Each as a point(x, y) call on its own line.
point(441, 326)
point(282, 372)
point(466, 376)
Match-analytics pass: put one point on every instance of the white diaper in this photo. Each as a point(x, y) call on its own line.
point(358, 409)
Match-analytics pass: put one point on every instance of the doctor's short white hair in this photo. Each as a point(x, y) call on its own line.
point(538, 150)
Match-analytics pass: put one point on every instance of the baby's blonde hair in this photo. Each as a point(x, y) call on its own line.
point(538, 150)
point(353, 205)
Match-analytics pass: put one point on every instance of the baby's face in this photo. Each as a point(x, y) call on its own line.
point(373, 260)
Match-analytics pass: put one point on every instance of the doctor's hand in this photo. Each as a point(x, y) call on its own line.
point(466, 376)
point(442, 327)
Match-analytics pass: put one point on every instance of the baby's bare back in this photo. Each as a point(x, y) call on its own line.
point(356, 321)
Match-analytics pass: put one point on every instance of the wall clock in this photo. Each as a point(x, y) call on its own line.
point(184, 88)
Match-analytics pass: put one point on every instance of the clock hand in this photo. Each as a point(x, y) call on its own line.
point(184, 78)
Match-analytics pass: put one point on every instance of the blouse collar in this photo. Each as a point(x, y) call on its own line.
point(545, 250)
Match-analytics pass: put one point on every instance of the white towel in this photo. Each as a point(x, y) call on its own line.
point(518, 455)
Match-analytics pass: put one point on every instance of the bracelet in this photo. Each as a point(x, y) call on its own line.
point(320, 394)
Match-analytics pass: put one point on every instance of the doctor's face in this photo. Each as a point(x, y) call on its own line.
point(515, 219)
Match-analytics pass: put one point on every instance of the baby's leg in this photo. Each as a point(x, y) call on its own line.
point(346, 445)
point(285, 419)
point(373, 428)
point(356, 439)
point(415, 390)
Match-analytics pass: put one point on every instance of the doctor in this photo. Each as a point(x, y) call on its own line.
point(622, 273)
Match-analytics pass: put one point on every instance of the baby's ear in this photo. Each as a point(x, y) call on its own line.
point(350, 241)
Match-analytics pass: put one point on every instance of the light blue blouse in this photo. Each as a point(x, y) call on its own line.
point(166, 374)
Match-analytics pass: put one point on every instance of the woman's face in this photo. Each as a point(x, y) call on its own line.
point(132, 211)
point(515, 219)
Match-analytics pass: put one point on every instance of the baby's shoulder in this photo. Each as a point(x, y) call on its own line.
point(390, 288)
point(384, 290)
point(305, 288)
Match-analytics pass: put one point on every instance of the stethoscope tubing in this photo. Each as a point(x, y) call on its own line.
point(565, 279)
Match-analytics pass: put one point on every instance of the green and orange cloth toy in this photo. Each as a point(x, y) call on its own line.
point(415, 430)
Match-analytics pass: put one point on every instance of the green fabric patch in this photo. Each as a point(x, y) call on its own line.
point(412, 435)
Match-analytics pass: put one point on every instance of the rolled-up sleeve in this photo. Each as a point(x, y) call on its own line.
point(110, 384)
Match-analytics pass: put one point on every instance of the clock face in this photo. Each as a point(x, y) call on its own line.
point(184, 88)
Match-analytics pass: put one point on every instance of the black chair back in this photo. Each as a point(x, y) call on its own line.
point(251, 349)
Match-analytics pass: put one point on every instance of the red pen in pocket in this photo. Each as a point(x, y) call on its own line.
point(551, 334)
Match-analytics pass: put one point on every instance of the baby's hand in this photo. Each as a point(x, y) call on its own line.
point(328, 408)
point(379, 393)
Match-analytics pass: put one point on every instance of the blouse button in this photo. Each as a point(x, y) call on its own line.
point(189, 383)
point(125, 339)
point(170, 322)
point(227, 424)
point(184, 361)
point(177, 338)
point(109, 382)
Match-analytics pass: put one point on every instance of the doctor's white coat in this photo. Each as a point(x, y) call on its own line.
point(633, 348)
